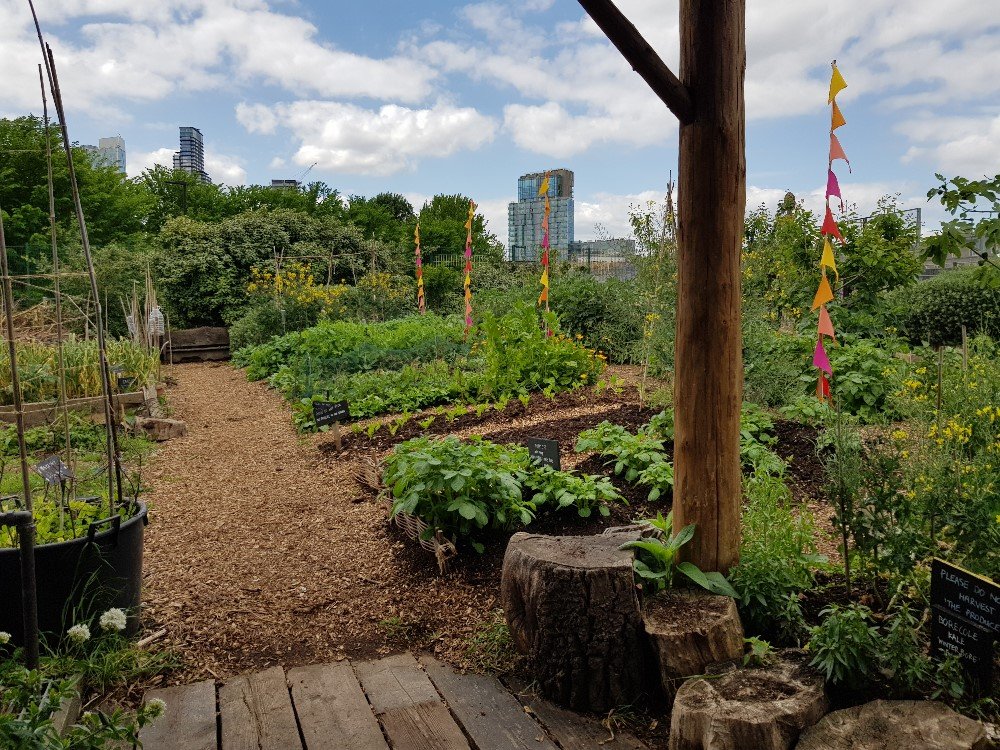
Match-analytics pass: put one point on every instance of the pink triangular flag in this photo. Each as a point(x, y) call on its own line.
point(825, 324)
point(837, 151)
point(820, 360)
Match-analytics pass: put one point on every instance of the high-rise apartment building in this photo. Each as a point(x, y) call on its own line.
point(524, 217)
point(110, 152)
point(191, 157)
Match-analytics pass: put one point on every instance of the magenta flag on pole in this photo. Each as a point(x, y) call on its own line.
point(832, 186)
point(820, 360)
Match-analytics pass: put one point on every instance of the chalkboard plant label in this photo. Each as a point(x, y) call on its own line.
point(544, 452)
point(329, 412)
point(126, 384)
point(53, 470)
point(966, 619)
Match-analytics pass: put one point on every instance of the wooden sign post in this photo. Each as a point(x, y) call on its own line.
point(708, 377)
point(966, 619)
point(544, 452)
point(331, 413)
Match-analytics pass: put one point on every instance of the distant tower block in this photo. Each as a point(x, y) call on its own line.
point(191, 157)
point(524, 218)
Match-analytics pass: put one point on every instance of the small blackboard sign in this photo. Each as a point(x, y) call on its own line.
point(328, 412)
point(53, 470)
point(544, 452)
point(966, 611)
point(126, 384)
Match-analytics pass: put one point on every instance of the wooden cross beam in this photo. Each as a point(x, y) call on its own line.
point(707, 98)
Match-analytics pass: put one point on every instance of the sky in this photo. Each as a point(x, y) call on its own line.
point(434, 97)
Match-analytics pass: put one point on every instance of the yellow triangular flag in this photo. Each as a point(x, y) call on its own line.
point(544, 189)
point(828, 259)
point(824, 294)
point(837, 84)
point(545, 277)
point(838, 118)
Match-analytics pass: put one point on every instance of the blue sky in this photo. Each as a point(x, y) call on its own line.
point(429, 97)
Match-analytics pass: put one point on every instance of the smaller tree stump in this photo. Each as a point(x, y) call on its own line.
point(689, 629)
point(928, 725)
point(571, 605)
point(737, 709)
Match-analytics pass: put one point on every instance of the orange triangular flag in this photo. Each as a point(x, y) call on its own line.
point(825, 324)
point(824, 294)
point(837, 151)
point(823, 387)
point(837, 84)
point(828, 259)
point(838, 119)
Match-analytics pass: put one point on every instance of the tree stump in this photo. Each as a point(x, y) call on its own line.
point(571, 605)
point(928, 725)
point(689, 629)
point(737, 709)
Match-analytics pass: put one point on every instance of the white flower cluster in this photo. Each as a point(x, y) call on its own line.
point(79, 634)
point(4, 637)
point(113, 620)
point(155, 707)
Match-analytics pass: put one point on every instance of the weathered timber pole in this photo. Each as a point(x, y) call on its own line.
point(711, 190)
point(707, 98)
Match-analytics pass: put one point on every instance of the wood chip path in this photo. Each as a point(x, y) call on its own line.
point(263, 551)
point(394, 702)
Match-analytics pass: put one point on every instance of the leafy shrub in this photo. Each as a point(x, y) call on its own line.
point(659, 476)
point(459, 487)
point(562, 489)
point(661, 425)
point(519, 354)
point(777, 558)
point(845, 645)
point(631, 454)
point(969, 297)
point(656, 560)
point(467, 487)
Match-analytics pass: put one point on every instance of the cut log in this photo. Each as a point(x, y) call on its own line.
point(735, 709)
point(927, 725)
point(689, 629)
point(571, 605)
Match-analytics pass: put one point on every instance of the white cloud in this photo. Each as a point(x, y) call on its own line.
point(139, 161)
point(225, 169)
point(144, 51)
point(256, 118)
point(969, 146)
point(352, 139)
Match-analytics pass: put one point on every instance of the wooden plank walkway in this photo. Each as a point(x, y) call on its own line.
point(396, 703)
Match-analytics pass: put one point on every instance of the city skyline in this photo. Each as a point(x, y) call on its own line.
point(447, 97)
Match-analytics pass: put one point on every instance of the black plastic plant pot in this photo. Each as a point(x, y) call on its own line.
point(79, 579)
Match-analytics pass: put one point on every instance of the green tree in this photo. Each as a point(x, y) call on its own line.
point(442, 229)
point(975, 204)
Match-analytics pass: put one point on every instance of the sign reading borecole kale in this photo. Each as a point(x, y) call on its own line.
point(126, 384)
point(53, 470)
point(329, 412)
point(966, 610)
point(544, 452)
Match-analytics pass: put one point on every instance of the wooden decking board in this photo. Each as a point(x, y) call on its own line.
point(255, 712)
point(188, 721)
point(489, 713)
point(408, 705)
point(573, 731)
point(332, 710)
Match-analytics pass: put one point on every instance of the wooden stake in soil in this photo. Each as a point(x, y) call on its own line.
point(114, 457)
point(61, 394)
point(708, 389)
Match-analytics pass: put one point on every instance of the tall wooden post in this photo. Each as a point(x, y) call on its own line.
point(711, 192)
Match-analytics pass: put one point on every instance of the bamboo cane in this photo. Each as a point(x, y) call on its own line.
point(61, 393)
point(114, 457)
